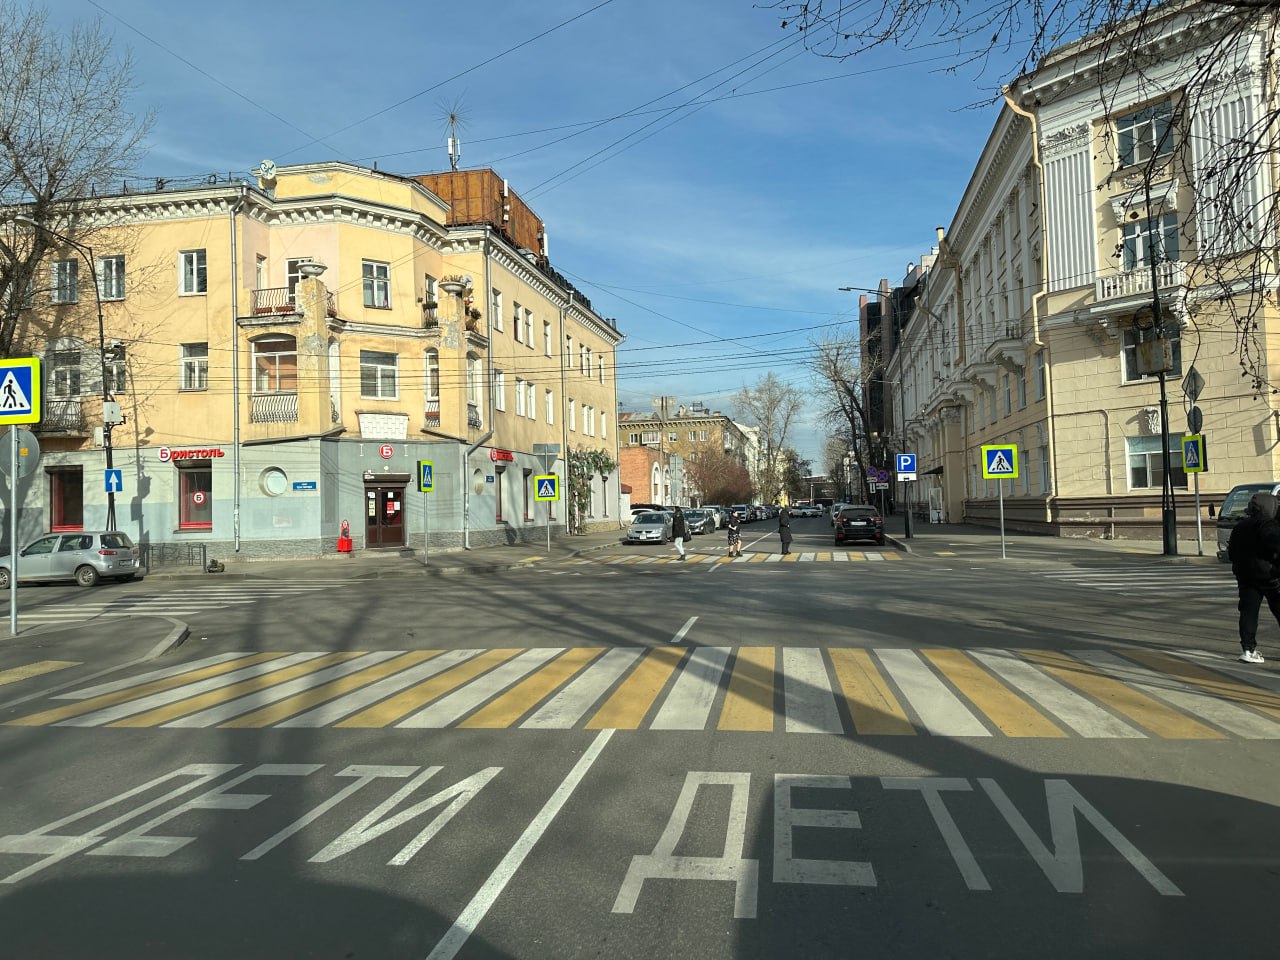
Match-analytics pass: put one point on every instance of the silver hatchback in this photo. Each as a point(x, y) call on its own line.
point(85, 557)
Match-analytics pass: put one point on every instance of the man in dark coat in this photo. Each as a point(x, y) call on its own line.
point(679, 530)
point(1254, 549)
point(784, 529)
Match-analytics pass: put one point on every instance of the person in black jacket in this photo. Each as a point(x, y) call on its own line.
point(679, 531)
point(784, 529)
point(1254, 549)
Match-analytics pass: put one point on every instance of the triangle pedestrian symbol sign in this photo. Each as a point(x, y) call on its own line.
point(999, 463)
point(547, 488)
point(12, 397)
point(1191, 455)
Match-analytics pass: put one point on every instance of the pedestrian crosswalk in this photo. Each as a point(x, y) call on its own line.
point(183, 601)
point(1129, 693)
point(811, 556)
point(1190, 581)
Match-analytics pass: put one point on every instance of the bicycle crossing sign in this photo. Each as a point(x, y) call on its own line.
point(20, 390)
point(426, 476)
point(546, 487)
point(1194, 455)
point(1000, 461)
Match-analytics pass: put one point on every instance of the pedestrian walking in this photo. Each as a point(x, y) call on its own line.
point(735, 534)
point(784, 529)
point(680, 532)
point(1254, 549)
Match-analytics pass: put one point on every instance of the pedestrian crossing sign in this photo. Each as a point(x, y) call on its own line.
point(426, 476)
point(1000, 461)
point(20, 390)
point(546, 487)
point(1194, 458)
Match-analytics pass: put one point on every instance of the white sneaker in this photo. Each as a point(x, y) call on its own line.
point(1251, 656)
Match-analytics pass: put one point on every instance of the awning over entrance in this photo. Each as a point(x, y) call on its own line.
point(935, 472)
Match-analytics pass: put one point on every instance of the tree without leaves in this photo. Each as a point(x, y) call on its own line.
point(1227, 234)
point(717, 477)
point(837, 365)
point(794, 472)
point(65, 136)
point(770, 406)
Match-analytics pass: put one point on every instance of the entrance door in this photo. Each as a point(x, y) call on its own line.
point(384, 516)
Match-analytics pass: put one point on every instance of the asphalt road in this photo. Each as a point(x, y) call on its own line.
point(941, 755)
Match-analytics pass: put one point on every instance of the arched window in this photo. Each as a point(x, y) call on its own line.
point(655, 485)
point(275, 364)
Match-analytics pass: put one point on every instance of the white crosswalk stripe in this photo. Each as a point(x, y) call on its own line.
point(175, 603)
point(1117, 693)
point(1153, 580)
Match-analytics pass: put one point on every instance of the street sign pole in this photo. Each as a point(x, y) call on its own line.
point(13, 531)
point(1199, 532)
point(1000, 487)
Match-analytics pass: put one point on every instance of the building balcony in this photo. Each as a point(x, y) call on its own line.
point(64, 418)
point(474, 420)
point(1007, 347)
point(432, 413)
point(1129, 286)
point(278, 301)
point(273, 408)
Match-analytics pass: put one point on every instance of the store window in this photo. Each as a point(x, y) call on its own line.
point(195, 495)
point(66, 498)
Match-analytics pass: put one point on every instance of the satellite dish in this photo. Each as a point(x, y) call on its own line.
point(267, 170)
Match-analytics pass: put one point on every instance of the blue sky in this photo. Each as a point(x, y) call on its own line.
point(717, 236)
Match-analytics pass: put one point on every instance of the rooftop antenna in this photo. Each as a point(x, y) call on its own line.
point(455, 145)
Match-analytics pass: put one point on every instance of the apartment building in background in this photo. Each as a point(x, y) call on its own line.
point(678, 434)
point(288, 351)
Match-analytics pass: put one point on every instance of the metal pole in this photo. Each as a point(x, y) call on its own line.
point(1168, 508)
point(426, 520)
point(87, 252)
point(548, 526)
point(1199, 532)
point(1000, 487)
point(907, 498)
point(13, 531)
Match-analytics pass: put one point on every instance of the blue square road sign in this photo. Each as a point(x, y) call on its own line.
point(113, 480)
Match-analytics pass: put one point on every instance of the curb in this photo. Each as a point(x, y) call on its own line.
point(176, 638)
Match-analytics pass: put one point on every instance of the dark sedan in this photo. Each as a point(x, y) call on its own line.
point(700, 521)
point(859, 522)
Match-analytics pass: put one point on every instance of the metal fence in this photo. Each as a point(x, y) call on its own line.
point(154, 556)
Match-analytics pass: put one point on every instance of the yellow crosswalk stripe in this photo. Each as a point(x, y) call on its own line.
point(328, 691)
point(822, 555)
point(857, 555)
point(872, 705)
point(37, 669)
point(172, 711)
point(757, 557)
point(1212, 681)
point(1012, 715)
point(516, 702)
point(58, 714)
point(891, 555)
point(1119, 697)
point(403, 703)
point(748, 704)
point(631, 701)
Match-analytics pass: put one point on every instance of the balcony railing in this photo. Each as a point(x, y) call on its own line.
point(1135, 282)
point(270, 301)
point(62, 416)
point(474, 420)
point(273, 408)
point(433, 413)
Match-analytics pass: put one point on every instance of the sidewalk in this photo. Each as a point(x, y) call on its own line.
point(375, 564)
point(928, 538)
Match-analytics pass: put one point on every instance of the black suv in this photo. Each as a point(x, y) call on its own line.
point(859, 521)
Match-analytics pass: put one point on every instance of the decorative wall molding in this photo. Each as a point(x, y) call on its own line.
point(1064, 141)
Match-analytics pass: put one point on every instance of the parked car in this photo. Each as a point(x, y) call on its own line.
point(859, 521)
point(652, 526)
point(742, 511)
point(700, 520)
point(1233, 508)
point(835, 511)
point(806, 510)
point(717, 513)
point(82, 556)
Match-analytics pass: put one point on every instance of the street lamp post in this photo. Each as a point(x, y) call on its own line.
point(86, 252)
point(1168, 504)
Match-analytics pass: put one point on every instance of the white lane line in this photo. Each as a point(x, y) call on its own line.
point(939, 709)
point(163, 699)
point(367, 696)
point(809, 703)
point(689, 703)
point(85, 693)
point(458, 934)
point(567, 707)
point(458, 704)
point(1082, 715)
point(281, 691)
point(683, 630)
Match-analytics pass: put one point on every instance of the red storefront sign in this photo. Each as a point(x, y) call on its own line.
point(506, 455)
point(167, 454)
point(386, 451)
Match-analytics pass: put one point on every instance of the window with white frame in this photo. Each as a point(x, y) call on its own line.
point(473, 380)
point(1045, 477)
point(275, 364)
point(433, 374)
point(583, 362)
point(693, 434)
point(531, 404)
point(1133, 336)
point(378, 375)
point(568, 351)
point(551, 407)
point(495, 309)
point(546, 337)
point(516, 325)
point(1022, 388)
point(1145, 133)
point(430, 289)
point(991, 409)
point(111, 277)
point(649, 436)
point(1146, 465)
point(195, 366)
point(528, 328)
point(64, 373)
point(573, 417)
point(1038, 363)
point(64, 281)
point(702, 436)
point(193, 273)
point(1141, 236)
point(600, 367)
point(375, 276)
point(672, 437)
point(1008, 394)
point(116, 376)
point(588, 426)
point(500, 392)
point(293, 274)
point(604, 426)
